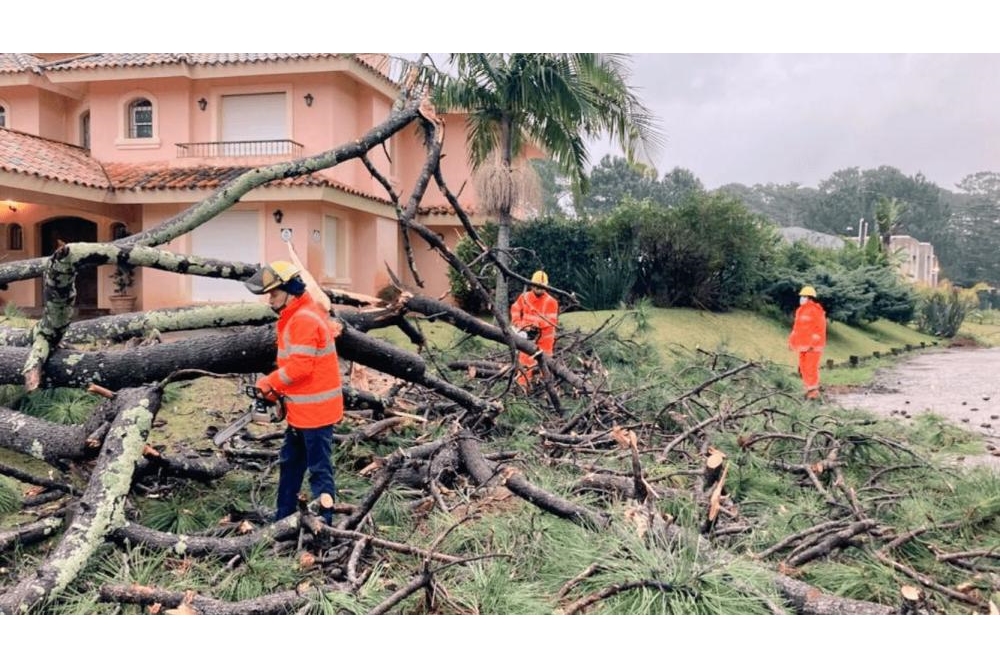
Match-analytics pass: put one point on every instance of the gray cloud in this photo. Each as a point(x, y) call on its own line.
point(759, 118)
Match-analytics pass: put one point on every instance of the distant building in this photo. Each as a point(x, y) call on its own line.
point(918, 262)
point(812, 237)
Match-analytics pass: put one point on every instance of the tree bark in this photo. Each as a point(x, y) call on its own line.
point(60, 270)
point(484, 473)
point(284, 602)
point(100, 510)
point(808, 599)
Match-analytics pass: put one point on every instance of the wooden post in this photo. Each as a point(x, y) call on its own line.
point(829, 364)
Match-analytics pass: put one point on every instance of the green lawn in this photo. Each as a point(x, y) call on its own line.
point(747, 335)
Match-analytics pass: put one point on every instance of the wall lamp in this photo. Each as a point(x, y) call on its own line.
point(202, 103)
point(278, 215)
point(309, 99)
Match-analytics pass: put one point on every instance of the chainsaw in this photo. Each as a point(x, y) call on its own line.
point(261, 411)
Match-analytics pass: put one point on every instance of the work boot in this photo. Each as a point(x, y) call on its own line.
point(812, 395)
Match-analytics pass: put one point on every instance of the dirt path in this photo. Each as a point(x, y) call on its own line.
point(961, 385)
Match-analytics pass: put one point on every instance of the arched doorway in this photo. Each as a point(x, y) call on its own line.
point(69, 230)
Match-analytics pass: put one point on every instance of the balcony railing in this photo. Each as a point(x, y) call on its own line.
point(266, 147)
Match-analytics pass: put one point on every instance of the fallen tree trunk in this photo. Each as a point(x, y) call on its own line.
point(808, 599)
point(245, 351)
point(484, 473)
point(118, 328)
point(435, 309)
point(100, 510)
point(30, 533)
point(60, 269)
point(47, 440)
point(194, 545)
point(284, 602)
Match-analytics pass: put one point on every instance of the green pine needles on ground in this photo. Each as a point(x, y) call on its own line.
point(797, 474)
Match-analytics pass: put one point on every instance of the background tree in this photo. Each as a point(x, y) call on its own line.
point(677, 185)
point(553, 101)
point(555, 190)
point(614, 179)
point(710, 252)
point(975, 225)
point(787, 205)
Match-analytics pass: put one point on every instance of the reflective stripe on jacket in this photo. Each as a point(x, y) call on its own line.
point(308, 374)
point(809, 329)
point(541, 311)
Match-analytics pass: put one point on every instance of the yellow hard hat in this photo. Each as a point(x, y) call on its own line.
point(271, 276)
point(808, 290)
point(540, 277)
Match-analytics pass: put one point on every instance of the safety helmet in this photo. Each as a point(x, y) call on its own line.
point(808, 290)
point(271, 276)
point(540, 277)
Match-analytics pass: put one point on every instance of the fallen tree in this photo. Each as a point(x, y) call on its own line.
point(706, 490)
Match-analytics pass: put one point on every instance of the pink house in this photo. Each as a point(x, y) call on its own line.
point(96, 146)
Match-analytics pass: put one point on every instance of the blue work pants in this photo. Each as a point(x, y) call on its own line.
point(305, 449)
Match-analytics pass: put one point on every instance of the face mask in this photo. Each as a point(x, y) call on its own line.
point(802, 300)
point(277, 299)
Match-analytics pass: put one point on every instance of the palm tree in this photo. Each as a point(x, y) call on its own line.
point(887, 214)
point(553, 101)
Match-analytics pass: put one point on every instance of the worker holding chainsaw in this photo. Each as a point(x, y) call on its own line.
point(307, 381)
point(535, 315)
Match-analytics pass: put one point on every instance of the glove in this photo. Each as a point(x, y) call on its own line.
point(267, 392)
point(521, 333)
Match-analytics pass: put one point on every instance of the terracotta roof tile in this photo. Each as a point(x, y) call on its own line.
point(27, 154)
point(98, 60)
point(22, 153)
point(19, 62)
point(150, 176)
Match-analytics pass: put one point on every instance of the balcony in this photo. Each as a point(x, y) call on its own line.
point(238, 149)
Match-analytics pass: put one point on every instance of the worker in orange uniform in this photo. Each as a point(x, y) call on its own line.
point(535, 315)
point(808, 338)
point(308, 380)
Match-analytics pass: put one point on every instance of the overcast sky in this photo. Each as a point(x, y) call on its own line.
point(778, 118)
point(769, 91)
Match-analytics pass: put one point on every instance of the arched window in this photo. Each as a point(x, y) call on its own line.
point(85, 129)
point(140, 119)
point(119, 230)
point(3, 116)
point(15, 237)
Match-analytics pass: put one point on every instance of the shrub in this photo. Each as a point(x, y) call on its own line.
point(942, 311)
point(607, 282)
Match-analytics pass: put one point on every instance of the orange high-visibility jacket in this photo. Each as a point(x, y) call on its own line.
point(308, 374)
point(541, 311)
point(809, 330)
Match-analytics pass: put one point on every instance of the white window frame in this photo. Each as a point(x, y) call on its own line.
point(4, 113)
point(135, 126)
point(125, 140)
point(336, 268)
